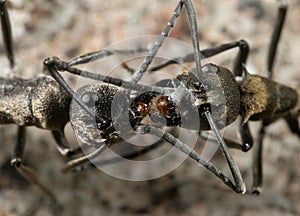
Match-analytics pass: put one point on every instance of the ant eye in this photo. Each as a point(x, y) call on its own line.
point(210, 68)
point(89, 99)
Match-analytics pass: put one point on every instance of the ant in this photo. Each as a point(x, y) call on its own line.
point(254, 98)
point(93, 121)
point(40, 102)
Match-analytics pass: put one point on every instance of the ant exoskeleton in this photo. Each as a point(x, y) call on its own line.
point(254, 98)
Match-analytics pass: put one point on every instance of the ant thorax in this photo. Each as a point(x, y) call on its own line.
point(40, 102)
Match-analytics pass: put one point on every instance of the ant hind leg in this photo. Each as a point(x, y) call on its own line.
point(25, 171)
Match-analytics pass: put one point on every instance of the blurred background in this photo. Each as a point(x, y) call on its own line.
point(70, 28)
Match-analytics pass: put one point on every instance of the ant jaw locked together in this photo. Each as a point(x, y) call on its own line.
point(218, 92)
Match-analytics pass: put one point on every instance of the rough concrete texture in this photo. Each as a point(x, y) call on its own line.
point(70, 28)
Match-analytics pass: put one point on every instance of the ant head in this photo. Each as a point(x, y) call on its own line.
point(113, 120)
point(218, 90)
point(98, 98)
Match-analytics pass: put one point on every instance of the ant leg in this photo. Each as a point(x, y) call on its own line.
point(77, 162)
point(230, 143)
point(6, 33)
point(240, 185)
point(93, 56)
point(120, 158)
point(54, 64)
point(63, 146)
point(257, 155)
point(247, 139)
point(293, 123)
point(154, 49)
point(206, 53)
point(49, 64)
point(128, 156)
point(25, 171)
point(282, 9)
point(257, 162)
point(145, 129)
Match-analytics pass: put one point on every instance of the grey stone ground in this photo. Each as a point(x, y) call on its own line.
point(69, 28)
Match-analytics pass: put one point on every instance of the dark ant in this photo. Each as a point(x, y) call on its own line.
point(40, 102)
point(254, 98)
point(202, 86)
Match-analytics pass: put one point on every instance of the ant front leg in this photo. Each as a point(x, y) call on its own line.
point(165, 33)
point(239, 183)
point(238, 187)
point(128, 156)
point(94, 56)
